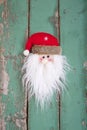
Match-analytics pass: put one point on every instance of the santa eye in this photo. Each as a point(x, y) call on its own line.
point(43, 57)
point(48, 56)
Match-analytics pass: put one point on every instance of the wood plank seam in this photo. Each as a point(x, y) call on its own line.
point(27, 120)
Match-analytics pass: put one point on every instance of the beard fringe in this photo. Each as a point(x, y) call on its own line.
point(43, 81)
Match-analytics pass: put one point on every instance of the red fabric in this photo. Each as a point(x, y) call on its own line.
point(41, 38)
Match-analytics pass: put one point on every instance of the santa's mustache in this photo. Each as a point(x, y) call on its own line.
point(43, 80)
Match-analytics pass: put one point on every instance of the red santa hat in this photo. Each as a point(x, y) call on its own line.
point(42, 43)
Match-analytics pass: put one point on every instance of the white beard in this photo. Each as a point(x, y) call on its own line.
point(42, 80)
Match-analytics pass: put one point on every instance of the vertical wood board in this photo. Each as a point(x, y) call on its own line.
point(14, 23)
point(40, 13)
point(73, 18)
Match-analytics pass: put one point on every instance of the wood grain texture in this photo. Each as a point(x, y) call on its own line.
point(73, 17)
point(13, 25)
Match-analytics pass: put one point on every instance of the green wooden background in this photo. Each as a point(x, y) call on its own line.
point(18, 19)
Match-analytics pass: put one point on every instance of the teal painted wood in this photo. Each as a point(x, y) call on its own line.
point(40, 12)
point(13, 22)
point(73, 17)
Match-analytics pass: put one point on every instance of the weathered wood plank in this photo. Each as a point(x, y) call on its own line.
point(13, 26)
point(40, 13)
point(73, 17)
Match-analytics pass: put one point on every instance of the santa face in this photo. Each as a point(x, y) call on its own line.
point(44, 59)
point(44, 75)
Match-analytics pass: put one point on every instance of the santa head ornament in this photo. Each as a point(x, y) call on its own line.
point(42, 43)
point(44, 68)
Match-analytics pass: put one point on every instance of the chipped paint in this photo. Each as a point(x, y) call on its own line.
point(2, 124)
point(19, 119)
point(2, 121)
point(5, 13)
point(1, 29)
point(84, 123)
point(4, 78)
point(54, 19)
point(56, 22)
point(2, 1)
point(26, 34)
point(2, 107)
point(85, 65)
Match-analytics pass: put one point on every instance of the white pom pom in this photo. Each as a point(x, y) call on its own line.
point(26, 52)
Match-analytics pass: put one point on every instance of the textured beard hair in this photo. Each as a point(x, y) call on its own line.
point(43, 81)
